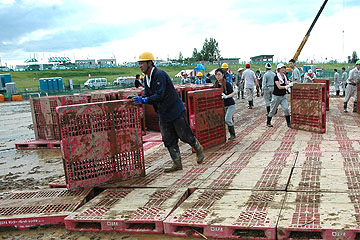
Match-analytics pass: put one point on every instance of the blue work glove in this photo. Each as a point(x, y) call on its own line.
point(140, 100)
point(223, 96)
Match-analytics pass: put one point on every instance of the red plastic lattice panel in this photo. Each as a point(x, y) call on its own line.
point(308, 107)
point(206, 116)
point(101, 142)
point(39, 207)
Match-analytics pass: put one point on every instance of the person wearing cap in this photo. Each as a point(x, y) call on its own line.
point(295, 75)
point(199, 79)
point(351, 88)
point(344, 77)
point(309, 76)
point(208, 78)
point(239, 83)
point(184, 78)
point(337, 82)
point(250, 82)
point(281, 84)
point(227, 95)
point(160, 92)
point(225, 66)
point(268, 86)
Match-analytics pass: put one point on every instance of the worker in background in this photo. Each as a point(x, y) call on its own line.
point(268, 86)
point(185, 78)
point(240, 83)
point(295, 72)
point(138, 81)
point(351, 88)
point(281, 85)
point(199, 79)
point(309, 76)
point(250, 82)
point(225, 66)
point(344, 77)
point(337, 82)
point(227, 95)
point(160, 92)
point(208, 78)
point(259, 78)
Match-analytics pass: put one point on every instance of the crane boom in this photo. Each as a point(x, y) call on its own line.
point(298, 51)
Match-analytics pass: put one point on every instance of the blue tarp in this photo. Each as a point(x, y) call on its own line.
point(199, 67)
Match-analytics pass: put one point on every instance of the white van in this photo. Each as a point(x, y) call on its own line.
point(95, 83)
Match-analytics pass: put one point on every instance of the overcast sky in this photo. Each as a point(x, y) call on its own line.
point(93, 29)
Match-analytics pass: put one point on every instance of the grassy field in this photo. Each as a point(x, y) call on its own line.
point(79, 76)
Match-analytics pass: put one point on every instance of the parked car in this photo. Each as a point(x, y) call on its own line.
point(95, 83)
point(121, 81)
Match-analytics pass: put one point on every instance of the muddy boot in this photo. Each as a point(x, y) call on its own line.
point(242, 94)
point(355, 107)
point(176, 157)
point(343, 93)
point(268, 123)
point(267, 110)
point(288, 121)
point(232, 132)
point(238, 95)
point(250, 106)
point(345, 107)
point(199, 152)
point(337, 92)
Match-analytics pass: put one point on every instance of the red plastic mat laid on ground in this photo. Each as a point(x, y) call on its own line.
point(308, 107)
point(207, 117)
point(127, 210)
point(38, 144)
point(227, 214)
point(25, 209)
point(101, 142)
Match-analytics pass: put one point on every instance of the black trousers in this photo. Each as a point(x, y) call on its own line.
point(171, 132)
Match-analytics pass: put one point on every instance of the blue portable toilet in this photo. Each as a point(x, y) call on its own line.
point(50, 84)
point(43, 85)
point(55, 84)
point(60, 83)
point(5, 78)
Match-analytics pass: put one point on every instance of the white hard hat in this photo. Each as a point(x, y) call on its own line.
point(280, 65)
point(310, 71)
point(240, 69)
point(268, 66)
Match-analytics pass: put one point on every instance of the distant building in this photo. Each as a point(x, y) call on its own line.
point(262, 58)
point(109, 61)
point(230, 60)
point(87, 63)
point(59, 59)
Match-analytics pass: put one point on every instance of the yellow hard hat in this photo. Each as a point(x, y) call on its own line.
point(199, 74)
point(224, 65)
point(146, 56)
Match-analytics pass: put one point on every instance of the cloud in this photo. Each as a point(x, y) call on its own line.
point(100, 29)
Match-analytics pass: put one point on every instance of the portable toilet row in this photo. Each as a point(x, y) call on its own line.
point(4, 79)
point(51, 84)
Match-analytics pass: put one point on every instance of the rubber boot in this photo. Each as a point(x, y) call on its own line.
point(232, 132)
point(267, 109)
point(199, 152)
point(176, 157)
point(238, 95)
point(345, 107)
point(337, 92)
point(343, 93)
point(242, 94)
point(268, 123)
point(250, 106)
point(288, 121)
point(355, 107)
